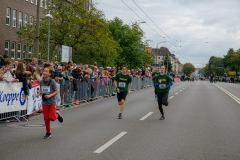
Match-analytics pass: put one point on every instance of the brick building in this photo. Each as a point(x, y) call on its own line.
point(13, 15)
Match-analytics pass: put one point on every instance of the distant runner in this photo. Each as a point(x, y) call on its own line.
point(121, 83)
point(163, 83)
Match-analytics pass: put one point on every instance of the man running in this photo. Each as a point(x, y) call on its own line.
point(121, 83)
point(163, 83)
point(154, 75)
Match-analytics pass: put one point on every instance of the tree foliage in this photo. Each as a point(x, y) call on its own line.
point(188, 68)
point(131, 44)
point(72, 25)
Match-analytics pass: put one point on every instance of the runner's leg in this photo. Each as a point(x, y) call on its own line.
point(160, 96)
point(165, 98)
point(46, 117)
point(52, 113)
point(122, 105)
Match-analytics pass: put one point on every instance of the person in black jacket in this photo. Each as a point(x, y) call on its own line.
point(26, 82)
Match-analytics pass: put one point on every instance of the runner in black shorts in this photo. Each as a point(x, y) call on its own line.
point(121, 82)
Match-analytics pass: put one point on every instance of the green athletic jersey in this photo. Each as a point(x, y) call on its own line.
point(123, 81)
point(155, 73)
point(165, 80)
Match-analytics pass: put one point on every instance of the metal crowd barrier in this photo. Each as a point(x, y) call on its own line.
point(74, 92)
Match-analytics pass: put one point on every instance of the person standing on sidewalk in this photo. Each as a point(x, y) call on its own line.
point(121, 83)
point(154, 75)
point(163, 83)
point(49, 90)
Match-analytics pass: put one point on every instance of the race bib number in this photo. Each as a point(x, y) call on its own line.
point(122, 84)
point(161, 86)
point(46, 89)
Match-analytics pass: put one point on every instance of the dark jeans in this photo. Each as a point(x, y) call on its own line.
point(162, 99)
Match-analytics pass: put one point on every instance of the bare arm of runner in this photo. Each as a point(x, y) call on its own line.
point(115, 83)
point(130, 88)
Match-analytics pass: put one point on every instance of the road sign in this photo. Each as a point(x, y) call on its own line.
point(232, 73)
point(66, 53)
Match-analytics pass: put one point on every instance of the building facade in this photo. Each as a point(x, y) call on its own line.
point(13, 15)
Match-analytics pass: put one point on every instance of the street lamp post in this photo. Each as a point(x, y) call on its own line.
point(49, 16)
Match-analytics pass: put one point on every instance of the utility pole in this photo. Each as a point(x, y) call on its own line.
point(37, 30)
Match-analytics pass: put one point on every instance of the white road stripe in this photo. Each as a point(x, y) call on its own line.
point(183, 88)
point(230, 94)
point(176, 93)
point(180, 90)
point(147, 115)
point(109, 143)
point(171, 97)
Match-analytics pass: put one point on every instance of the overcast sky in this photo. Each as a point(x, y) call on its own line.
point(203, 28)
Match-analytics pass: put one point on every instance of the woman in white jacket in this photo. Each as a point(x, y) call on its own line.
point(8, 75)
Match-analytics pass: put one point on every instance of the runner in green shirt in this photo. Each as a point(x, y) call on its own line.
point(154, 75)
point(121, 82)
point(163, 83)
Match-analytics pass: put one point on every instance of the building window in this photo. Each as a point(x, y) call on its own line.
point(32, 1)
point(13, 50)
point(30, 52)
point(31, 21)
point(25, 20)
point(8, 16)
point(19, 51)
point(41, 3)
point(6, 47)
point(24, 51)
point(45, 4)
point(14, 18)
point(20, 20)
point(36, 2)
point(159, 57)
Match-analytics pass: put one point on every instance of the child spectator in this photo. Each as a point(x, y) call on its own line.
point(19, 71)
point(37, 76)
point(26, 82)
point(58, 97)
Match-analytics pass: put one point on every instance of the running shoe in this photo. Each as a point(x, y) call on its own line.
point(155, 97)
point(120, 116)
point(166, 104)
point(60, 117)
point(162, 118)
point(48, 135)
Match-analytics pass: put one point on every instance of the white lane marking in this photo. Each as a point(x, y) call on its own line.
point(176, 93)
point(230, 94)
point(180, 90)
point(109, 143)
point(183, 88)
point(171, 97)
point(147, 115)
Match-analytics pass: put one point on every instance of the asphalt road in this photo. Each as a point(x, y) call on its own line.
point(202, 122)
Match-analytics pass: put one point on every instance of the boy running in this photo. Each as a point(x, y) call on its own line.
point(121, 83)
point(163, 83)
point(49, 90)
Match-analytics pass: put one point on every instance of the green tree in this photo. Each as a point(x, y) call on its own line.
point(87, 32)
point(130, 38)
point(188, 68)
point(231, 61)
point(216, 62)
